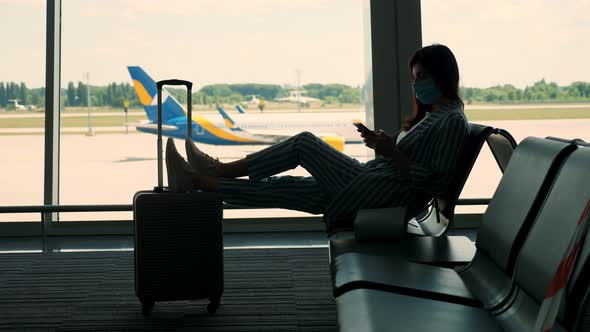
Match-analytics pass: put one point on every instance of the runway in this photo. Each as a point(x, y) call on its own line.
point(110, 168)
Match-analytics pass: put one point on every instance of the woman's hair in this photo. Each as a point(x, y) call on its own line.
point(440, 63)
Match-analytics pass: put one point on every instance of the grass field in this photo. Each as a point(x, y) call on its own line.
point(103, 121)
point(270, 106)
point(528, 114)
point(137, 115)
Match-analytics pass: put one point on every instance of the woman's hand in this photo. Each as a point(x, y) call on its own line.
point(381, 142)
point(384, 145)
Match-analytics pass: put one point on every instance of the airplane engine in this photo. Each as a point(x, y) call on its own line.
point(336, 142)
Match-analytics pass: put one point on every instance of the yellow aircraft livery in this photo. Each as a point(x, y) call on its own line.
point(333, 127)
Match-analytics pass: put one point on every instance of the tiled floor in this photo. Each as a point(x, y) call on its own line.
point(125, 242)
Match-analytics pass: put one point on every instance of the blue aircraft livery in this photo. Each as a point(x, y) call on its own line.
point(335, 129)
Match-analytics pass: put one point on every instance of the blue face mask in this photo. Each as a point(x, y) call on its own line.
point(427, 92)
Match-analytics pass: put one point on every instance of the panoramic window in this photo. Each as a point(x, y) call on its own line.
point(523, 68)
point(261, 70)
point(22, 103)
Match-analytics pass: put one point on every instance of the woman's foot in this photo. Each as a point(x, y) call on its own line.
point(179, 172)
point(200, 161)
point(205, 183)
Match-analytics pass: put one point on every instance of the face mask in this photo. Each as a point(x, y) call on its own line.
point(427, 92)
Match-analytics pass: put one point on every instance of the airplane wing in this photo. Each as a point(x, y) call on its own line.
point(154, 126)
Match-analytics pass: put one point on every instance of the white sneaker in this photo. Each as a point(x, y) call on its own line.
point(178, 170)
point(200, 161)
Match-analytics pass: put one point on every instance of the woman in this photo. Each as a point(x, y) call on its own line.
point(419, 159)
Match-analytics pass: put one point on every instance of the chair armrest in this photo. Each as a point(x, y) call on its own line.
point(385, 224)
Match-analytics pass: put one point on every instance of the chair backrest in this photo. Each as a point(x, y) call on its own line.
point(518, 198)
point(575, 311)
point(471, 148)
point(501, 144)
point(578, 141)
point(440, 211)
point(552, 231)
point(510, 214)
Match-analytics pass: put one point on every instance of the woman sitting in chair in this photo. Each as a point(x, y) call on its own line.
point(419, 159)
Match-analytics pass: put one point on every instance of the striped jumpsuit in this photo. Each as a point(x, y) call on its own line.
point(339, 185)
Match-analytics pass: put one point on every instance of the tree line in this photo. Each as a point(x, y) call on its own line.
point(539, 92)
point(18, 91)
point(236, 93)
point(76, 94)
point(113, 94)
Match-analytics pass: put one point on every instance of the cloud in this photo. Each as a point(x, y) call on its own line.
point(229, 8)
point(512, 41)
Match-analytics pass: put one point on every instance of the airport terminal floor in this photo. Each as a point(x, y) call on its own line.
point(273, 282)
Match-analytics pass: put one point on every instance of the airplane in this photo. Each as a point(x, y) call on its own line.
point(296, 96)
point(240, 109)
point(324, 124)
point(334, 128)
point(254, 101)
point(21, 107)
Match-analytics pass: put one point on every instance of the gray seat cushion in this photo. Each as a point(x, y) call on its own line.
point(372, 310)
point(357, 270)
point(447, 251)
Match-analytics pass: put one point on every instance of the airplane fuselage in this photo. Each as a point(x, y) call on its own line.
point(262, 128)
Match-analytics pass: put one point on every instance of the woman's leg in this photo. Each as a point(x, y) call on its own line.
point(372, 189)
point(331, 168)
point(285, 192)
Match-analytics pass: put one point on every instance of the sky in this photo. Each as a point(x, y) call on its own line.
point(266, 41)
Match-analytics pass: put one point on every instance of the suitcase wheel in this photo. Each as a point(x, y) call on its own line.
point(146, 307)
point(213, 305)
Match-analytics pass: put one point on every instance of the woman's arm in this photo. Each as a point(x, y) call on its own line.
point(401, 160)
point(385, 146)
point(433, 175)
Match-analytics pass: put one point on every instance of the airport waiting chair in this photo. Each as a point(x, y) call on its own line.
point(545, 247)
point(541, 253)
point(444, 205)
point(506, 222)
point(577, 141)
point(436, 221)
point(501, 144)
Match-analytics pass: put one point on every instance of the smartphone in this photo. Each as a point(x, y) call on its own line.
point(363, 128)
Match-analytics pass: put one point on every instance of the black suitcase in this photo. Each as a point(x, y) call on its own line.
point(178, 238)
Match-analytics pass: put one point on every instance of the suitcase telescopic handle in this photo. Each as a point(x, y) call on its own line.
point(189, 121)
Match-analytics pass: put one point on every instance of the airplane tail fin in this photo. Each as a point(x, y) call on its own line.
point(231, 124)
point(146, 90)
point(240, 109)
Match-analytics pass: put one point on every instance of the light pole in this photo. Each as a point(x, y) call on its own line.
point(298, 72)
point(90, 130)
point(125, 106)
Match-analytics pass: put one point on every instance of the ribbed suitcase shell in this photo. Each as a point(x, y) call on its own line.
point(178, 247)
point(178, 236)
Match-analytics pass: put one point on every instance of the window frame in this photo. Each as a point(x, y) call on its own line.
point(387, 101)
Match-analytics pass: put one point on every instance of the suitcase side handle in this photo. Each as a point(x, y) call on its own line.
point(189, 124)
